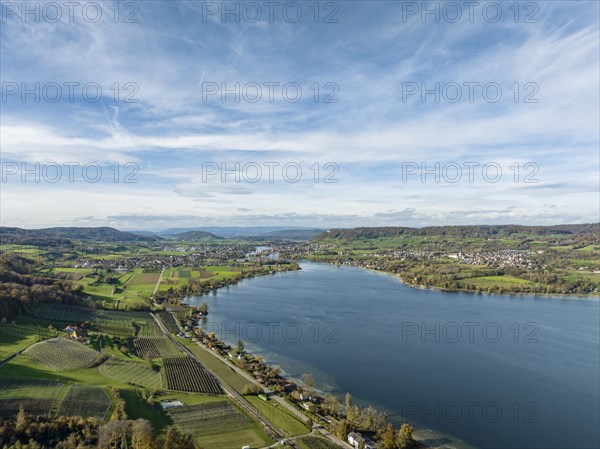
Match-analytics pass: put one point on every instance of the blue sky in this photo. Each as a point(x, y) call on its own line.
point(367, 56)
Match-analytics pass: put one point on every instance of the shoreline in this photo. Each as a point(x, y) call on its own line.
point(425, 437)
point(423, 433)
point(573, 296)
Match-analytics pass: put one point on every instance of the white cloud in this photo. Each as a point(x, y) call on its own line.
point(170, 132)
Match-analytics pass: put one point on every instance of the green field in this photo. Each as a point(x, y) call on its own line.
point(36, 396)
point(129, 290)
point(53, 399)
point(60, 376)
point(234, 427)
point(138, 406)
point(65, 313)
point(219, 425)
point(42, 382)
point(19, 335)
point(22, 250)
point(119, 323)
point(139, 373)
point(182, 276)
point(501, 281)
point(60, 354)
point(255, 438)
point(280, 416)
point(313, 442)
point(82, 400)
point(148, 328)
point(155, 347)
point(590, 248)
point(210, 418)
point(231, 377)
point(23, 367)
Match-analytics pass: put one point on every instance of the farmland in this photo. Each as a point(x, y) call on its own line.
point(198, 280)
point(210, 275)
point(65, 377)
point(210, 418)
point(148, 328)
point(65, 313)
point(86, 401)
point(59, 354)
point(131, 289)
point(255, 438)
point(124, 290)
point(280, 416)
point(492, 281)
point(70, 314)
point(155, 347)
point(219, 425)
point(138, 407)
point(169, 321)
point(125, 323)
point(235, 380)
point(36, 396)
point(139, 373)
point(312, 442)
point(185, 374)
point(117, 328)
point(119, 323)
point(46, 398)
point(17, 336)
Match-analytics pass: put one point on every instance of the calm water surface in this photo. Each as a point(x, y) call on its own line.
point(492, 371)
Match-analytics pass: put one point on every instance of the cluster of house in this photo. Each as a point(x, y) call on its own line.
point(358, 441)
point(505, 258)
point(257, 369)
point(306, 400)
point(261, 374)
point(193, 256)
point(500, 259)
point(76, 332)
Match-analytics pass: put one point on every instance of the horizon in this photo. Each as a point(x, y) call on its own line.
point(291, 228)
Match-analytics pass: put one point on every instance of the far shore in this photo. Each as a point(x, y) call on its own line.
point(464, 290)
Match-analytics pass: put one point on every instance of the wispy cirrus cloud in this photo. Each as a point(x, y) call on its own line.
point(369, 55)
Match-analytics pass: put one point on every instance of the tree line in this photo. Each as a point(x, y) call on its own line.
point(74, 432)
point(21, 289)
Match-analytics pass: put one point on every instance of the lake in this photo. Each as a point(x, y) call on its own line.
point(491, 371)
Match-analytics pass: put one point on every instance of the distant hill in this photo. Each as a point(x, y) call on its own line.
point(483, 231)
point(195, 235)
point(144, 233)
point(100, 234)
point(235, 231)
point(291, 234)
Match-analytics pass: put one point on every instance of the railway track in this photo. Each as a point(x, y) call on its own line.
point(239, 399)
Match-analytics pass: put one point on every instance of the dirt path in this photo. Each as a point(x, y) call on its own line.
point(158, 282)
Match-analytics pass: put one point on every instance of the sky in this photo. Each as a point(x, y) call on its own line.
point(152, 115)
